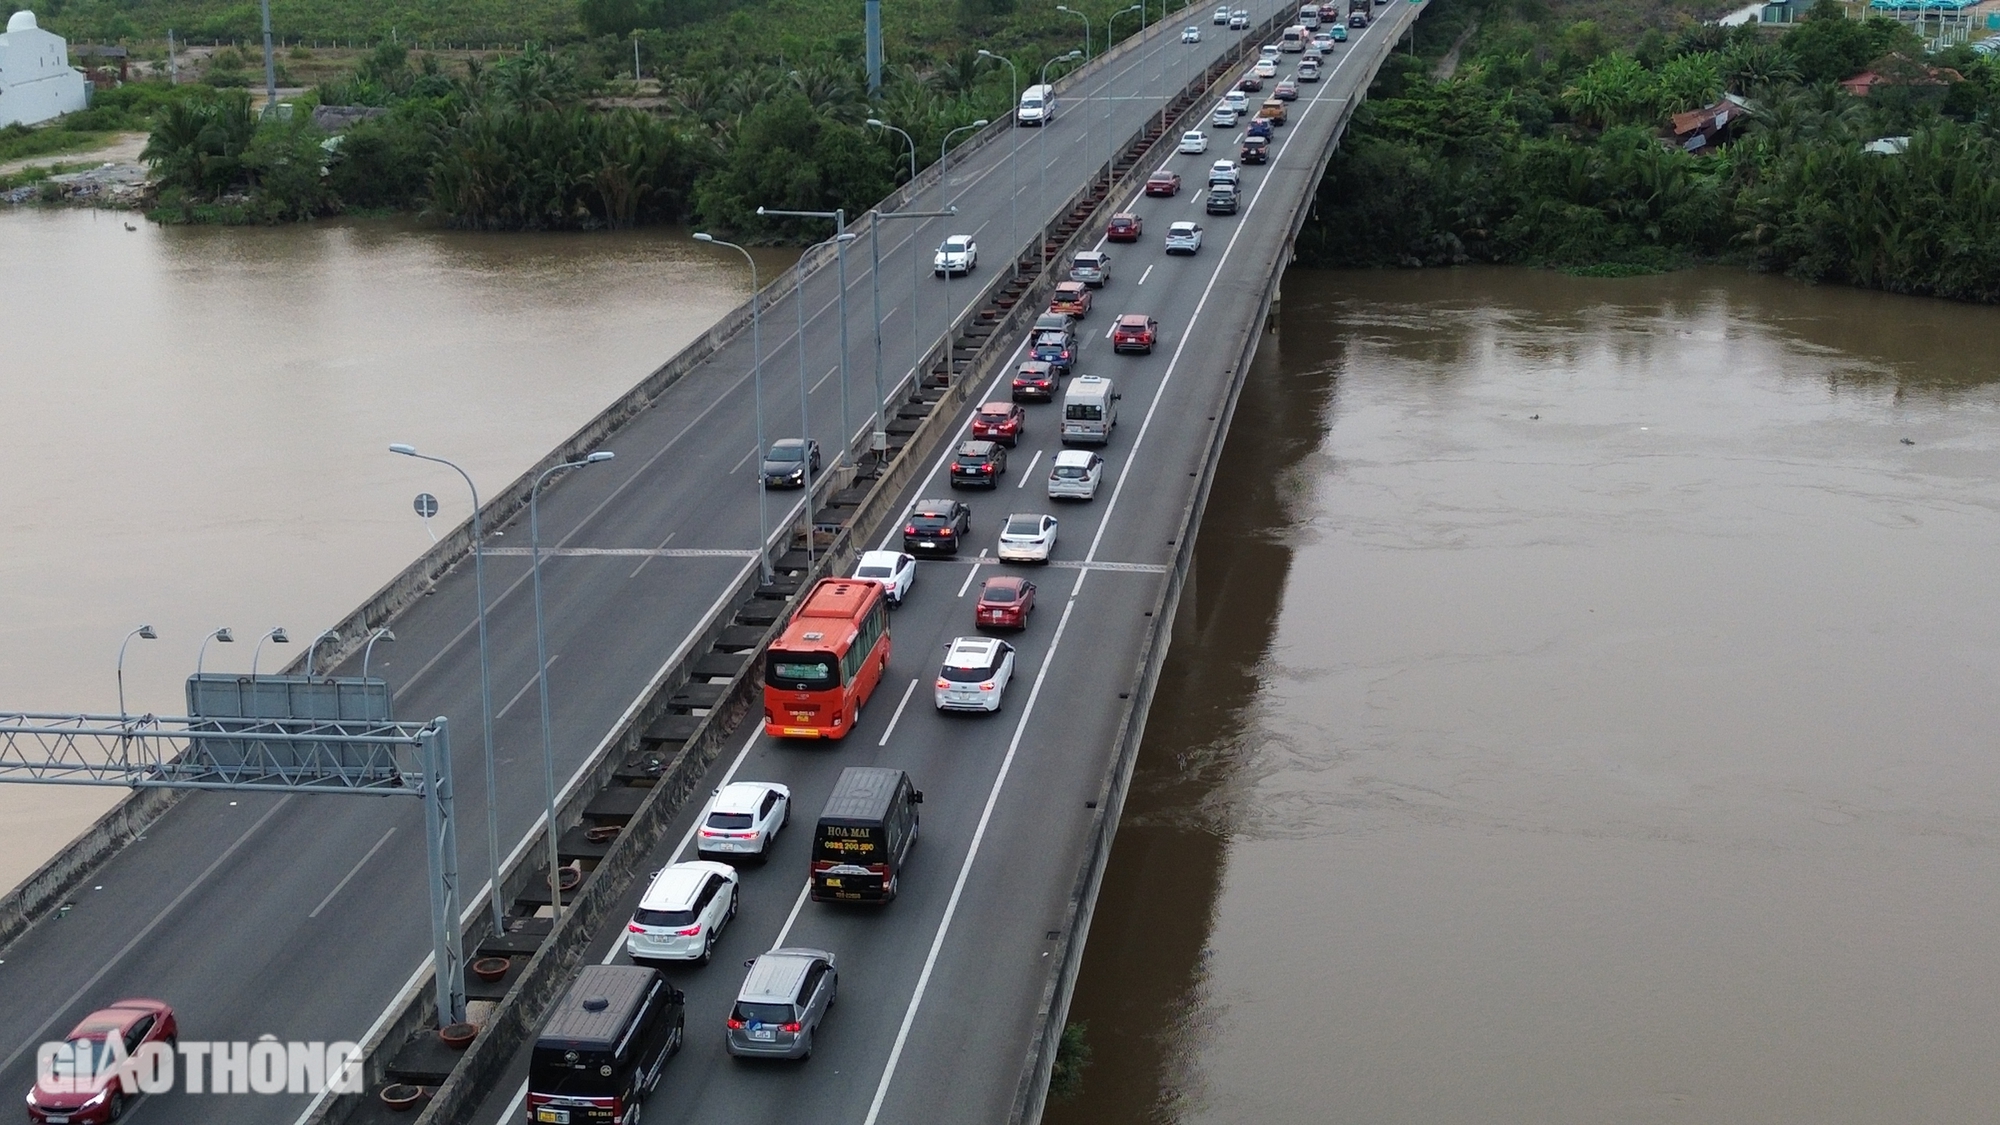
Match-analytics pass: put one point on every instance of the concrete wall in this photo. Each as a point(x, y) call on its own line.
point(36, 82)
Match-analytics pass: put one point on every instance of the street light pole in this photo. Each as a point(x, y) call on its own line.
point(368, 650)
point(757, 392)
point(916, 285)
point(1042, 144)
point(1013, 198)
point(223, 634)
point(485, 679)
point(542, 669)
point(879, 439)
point(944, 194)
point(312, 649)
point(278, 635)
point(144, 633)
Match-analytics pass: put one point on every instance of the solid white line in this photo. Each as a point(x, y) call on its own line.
point(897, 717)
point(797, 905)
point(111, 962)
point(1031, 468)
point(1147, 274)
point(352, 872)
point(965, 871)
point(650, 558)
point(972, 572)
point(502, 713)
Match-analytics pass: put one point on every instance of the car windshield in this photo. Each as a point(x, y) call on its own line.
point(787, 453)
point(1024, 525)
point(664, 917)
point(1000, 595)
point(747, 1012)
point(729, 820)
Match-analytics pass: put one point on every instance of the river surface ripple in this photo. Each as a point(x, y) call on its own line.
point(1587, 716)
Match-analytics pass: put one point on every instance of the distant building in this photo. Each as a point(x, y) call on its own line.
point(36, 81)
point(1896, 70)
point(1698, 129)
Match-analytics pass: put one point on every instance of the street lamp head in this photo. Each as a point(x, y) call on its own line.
point(845, 237)
point(405, 450)
point(277, 634)
point(985, 54)
point(1076, 54)
point(224, 635)
point(703, 236)
point(760, 210)
point(600, 455)
point(981, 123)
point(876, 122)
point(146, 633)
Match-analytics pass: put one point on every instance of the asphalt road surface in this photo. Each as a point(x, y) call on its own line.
point(303, 917)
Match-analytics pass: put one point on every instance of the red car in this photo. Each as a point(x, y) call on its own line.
point(1005, 603)
point(1135, 332)
point(1000, 421)
point(1124, 227)
point(1071, 297)
point(1035, 380)
point(97, 1099)
point(1163, 182)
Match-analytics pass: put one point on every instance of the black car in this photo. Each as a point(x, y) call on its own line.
point(1035, 382)
point(1221, 200)
point(936, 527)
point(978, 464)
point(785, 464)
point(1057, 349)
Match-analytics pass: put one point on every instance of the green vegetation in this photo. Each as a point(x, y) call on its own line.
point(1072, 1056)
point(762, 103)
point(1545, 147)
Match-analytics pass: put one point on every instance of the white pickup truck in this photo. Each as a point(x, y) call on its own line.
point(958, 254)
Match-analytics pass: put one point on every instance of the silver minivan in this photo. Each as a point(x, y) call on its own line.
point(1090, 409)
point(1074, 475)
point(1038, 106)
point(784, 997)
point(1092, 267)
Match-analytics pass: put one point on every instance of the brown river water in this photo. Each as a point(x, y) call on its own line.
point(1630, 763)
point(197, 423)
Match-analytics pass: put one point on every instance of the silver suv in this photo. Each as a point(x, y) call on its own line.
point(784, 998)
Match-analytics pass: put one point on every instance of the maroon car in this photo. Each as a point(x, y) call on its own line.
point(1004, 603)
point(1124, 227)
point(1000, 421)
point(1251, 83)
point(1163, 182)
point(92, 1097)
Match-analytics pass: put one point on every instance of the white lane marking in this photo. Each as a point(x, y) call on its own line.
point(112, 961)
point(1147, 274)
point(1109, 331)
point(972, 572)
point(1032, 461)
point(352, 872)
point(797, 905)
point(965, 871)
point(747, 454)
point(824, 378)
point(898, 716)
point(656, 551)
point(502, 713)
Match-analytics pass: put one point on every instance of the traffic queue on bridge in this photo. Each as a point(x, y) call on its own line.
point(833, 654)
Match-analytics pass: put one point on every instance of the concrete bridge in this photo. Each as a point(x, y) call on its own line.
point(306, 918)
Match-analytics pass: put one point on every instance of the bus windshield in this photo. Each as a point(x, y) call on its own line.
point(801, 671)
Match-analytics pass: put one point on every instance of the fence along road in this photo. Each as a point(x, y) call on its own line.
point(939, 992)
point(303, 919)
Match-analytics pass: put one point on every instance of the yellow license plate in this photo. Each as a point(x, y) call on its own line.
point(833, 882)
point(801, 732)
point(553, 1116)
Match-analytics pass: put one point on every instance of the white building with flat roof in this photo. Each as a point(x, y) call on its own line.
point(36, 80)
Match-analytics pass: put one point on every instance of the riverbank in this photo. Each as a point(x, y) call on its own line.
point(1554, 142)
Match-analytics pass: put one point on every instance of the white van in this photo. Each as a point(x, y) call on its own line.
point(1038, 105)
point(1090, 409)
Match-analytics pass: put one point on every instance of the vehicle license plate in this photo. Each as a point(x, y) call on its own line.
point(53, 1119)
point(833, 882)
point(766, 1035)
point(552, 1116)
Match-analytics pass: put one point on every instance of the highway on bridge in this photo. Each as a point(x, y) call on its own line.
point(304, 917)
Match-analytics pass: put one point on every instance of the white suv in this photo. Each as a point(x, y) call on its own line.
point(682, 913)
point(1075, 475)
point(743, 819)
point(975, 674)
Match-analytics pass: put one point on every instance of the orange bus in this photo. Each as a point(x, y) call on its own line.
point(828, 661)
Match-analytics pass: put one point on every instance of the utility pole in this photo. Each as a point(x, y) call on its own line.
point(270, 65)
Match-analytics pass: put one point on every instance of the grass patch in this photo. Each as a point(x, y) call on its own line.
point(1072, 1056)
point(19, 142)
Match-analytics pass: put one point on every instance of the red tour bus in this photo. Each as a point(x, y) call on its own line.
point(828, 661)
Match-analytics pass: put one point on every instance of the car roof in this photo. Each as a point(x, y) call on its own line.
point(774, 978)
point(1134, 319)
point(1123, 215)
point(1088, 255)
point(1038, 366)
point(978, 448)
point(118, 1017)
point(972, 652)
point(788, 443)
point(933, 507)
point(879, 558)
point(1163, 174)
point(1183, 225)
point(1001, 407)
point(1036, 516)
point(1070, 287)
point(1080, 457)
point(675, 886)
point(1003, 582)
point(958, 238)
point(745, 796)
